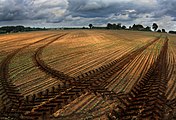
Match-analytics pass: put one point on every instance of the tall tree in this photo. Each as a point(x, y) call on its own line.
point(119, 26)
point(155, 26)
point(109, 26)
point(90, 25)
point(123, 27)
point(114, 26)
point(163, 30)
point(137, 27)
point(159, 30)
point(147, 29)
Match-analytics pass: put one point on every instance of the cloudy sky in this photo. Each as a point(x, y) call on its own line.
point(53, 13)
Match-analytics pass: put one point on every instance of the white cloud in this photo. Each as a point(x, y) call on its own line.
point(120, 17)
point(146, 2)
point(166, 22)
point(130, 11)
point(82, 12)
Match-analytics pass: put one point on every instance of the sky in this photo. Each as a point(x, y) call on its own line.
point(73, 13)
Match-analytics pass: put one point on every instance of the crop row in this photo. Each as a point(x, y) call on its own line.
point(74, 88)
point(147, 98)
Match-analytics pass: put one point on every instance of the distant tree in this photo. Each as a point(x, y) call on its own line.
point(123, 27)
point(172, 32)
point(90, 25)
point(133, 26)
point(13, 29)
point(155, 26)
point(119, 26)
point(114, 26)
point(8, 29)
point(148, 28)
point(130, 27)
point(19, 29)
point(163, 30)
point(137, 27)
point(109, 26)
point(159, 30)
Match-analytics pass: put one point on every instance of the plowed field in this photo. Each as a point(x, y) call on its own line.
point(88, 74)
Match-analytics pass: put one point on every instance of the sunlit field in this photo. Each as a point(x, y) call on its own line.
point(87, 74)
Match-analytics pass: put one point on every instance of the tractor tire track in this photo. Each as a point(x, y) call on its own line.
point(44, 104)
point(147, 98)
point(10, 94)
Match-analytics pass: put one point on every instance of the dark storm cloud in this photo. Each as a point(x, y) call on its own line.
point(82, 12)
point(80, 8)
point(98, 8)
point(167, 7)
point(26, 9)
point(12, 10)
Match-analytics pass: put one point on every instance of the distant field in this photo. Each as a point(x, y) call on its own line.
point(85, 74)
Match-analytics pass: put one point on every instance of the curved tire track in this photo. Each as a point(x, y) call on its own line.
point(49, 101)
point(44, 67)
point(10, 94)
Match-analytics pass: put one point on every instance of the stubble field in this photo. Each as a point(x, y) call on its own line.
point(88, 74)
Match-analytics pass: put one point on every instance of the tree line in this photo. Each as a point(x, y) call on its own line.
point(15, 29)
point(137, 27)
point(118, 26)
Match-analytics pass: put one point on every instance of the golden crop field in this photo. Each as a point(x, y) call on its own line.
point(87, 74)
